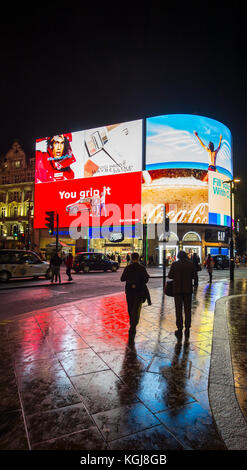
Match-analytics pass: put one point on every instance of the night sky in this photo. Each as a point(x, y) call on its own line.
point(67, 67)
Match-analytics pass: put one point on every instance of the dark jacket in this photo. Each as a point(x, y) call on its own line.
point(196, 261)
point(69, 261)
point(55, 260)
point(182, 272)
point(136, 278)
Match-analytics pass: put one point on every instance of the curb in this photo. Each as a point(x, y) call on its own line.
point(225, 408)
point(36, 285)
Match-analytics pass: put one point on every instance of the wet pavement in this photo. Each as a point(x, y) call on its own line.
point(70, 382)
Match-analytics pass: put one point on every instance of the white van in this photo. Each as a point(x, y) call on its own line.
point(22, 263)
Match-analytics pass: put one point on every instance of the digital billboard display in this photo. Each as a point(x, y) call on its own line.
point(188, 141)
point(99, 173)
point(95, 152)
point(91, 201)
point(185, 157)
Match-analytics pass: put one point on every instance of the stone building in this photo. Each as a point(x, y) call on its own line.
point(17, 174)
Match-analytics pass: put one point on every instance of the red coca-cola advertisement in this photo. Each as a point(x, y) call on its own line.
point(107, 200)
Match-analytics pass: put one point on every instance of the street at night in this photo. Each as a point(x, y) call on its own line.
point(73, 383)
point(18, 298)
point(123, 234)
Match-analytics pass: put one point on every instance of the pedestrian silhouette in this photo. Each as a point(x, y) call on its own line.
point(209, 266)
point(68, 264)
point(195, 259)
point(55, 264)
point(182, 272)
point(136, 277)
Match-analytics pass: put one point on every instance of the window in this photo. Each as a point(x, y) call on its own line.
point(17, 164)
point(191, 237)
point(15, 211)
point(28, 195)
point(3, 211)
point(16, 196)
point(29, 258)
point(4, 258)
point(10, 258)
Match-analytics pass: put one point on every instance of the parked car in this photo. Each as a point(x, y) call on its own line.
point(22, 263)
point(87, 261)
point(221, 261)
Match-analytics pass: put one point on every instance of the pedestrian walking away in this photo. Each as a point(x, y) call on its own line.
point(136, 277)
point(196, 261)
point(209, 266)
point(55, 264)
point(182, 272)
point(68, 264)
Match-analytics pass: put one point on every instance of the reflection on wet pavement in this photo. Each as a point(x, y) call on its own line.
point(80, 386)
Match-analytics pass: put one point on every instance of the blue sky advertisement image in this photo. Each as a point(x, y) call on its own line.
point(188, 141)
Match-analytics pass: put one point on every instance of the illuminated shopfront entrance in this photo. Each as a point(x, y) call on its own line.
point(190, 250)
point(171, 253)
point(128, 246)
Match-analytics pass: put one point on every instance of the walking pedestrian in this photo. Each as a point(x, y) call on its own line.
point(68, 264)
point(209, 266)
point(136, 277)
point(196, 262)
point(55, 264)
point(182, 272)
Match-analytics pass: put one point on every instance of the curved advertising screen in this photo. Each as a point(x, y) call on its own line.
point(188, 161)
point(103, 173)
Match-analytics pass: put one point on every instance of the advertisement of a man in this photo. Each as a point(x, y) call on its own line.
point(53, 162)
point(188, 141)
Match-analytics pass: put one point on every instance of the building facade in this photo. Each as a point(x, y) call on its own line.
point(17, 173)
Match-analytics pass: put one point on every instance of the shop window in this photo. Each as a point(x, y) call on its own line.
point(173, 238)
point(191, 237)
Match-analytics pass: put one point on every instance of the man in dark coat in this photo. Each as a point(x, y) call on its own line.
point(196, 261)
point(136, 291)
point(182, 272)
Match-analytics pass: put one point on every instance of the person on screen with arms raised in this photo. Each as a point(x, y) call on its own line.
point(212, 152)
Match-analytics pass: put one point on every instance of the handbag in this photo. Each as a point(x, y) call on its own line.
point(198, 268)
point(169, 288)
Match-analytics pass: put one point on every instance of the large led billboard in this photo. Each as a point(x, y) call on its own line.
point(101, 151)
point(90, 177)
point(185, 157)
point(91, 202)
point(188, 141)
point(99, 173)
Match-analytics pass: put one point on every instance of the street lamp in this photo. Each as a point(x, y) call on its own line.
point(232, 189)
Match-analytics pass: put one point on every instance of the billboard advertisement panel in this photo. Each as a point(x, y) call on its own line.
point(188, 141)
point(183, 191)
point(187, 160)
point(95, 152)
point(218, 199)
point(184, 154)
point(91, 201)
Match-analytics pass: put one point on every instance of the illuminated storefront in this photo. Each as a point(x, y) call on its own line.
point(105, 177)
